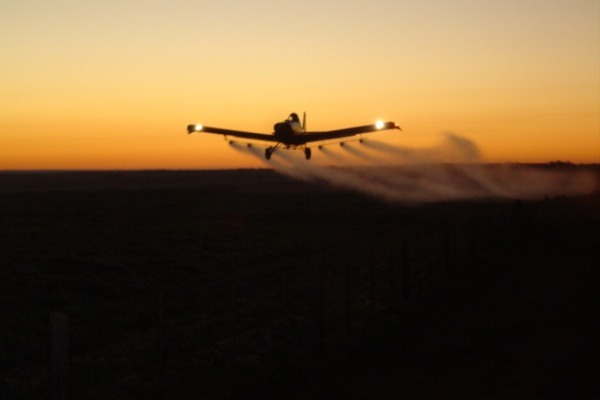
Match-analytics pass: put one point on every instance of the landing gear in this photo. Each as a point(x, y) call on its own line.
point(270, 150)
point(307, 153)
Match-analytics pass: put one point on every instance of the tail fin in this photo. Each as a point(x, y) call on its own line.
point(304, 121)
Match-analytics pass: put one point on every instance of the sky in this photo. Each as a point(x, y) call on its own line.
point(113, 84)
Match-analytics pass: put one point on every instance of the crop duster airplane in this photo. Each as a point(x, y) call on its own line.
point(290, 134)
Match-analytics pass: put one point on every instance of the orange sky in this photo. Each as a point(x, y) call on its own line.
point(112, 85)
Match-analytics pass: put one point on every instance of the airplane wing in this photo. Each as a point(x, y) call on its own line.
point(346, 132)
point(229, 132)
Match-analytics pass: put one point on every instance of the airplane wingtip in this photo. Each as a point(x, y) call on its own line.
point(194, 128)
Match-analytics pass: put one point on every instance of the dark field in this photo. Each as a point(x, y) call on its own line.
point(247, 284)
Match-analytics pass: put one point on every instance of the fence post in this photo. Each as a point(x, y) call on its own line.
point(405, 269)
point(393, 284)
point(372, 291)
point(346, 294)
point(473, 249)
point(232, 331)
point(161, 344)
point(232, 303)
point(318, 309)
point(59, 356)
point(450, 251)
point(286, 319)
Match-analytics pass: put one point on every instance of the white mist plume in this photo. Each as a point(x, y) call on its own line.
point(449, 170)
point(452, 148)
point(280, 164)
point(365, 157)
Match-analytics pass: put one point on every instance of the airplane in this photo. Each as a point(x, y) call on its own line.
point(290, 134)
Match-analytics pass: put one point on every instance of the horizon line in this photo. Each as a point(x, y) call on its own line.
point(79, 170)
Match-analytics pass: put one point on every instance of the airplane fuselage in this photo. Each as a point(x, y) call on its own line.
point(290, 133)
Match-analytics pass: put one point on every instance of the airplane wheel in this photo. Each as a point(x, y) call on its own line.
point(307, 153)
point(268, 153)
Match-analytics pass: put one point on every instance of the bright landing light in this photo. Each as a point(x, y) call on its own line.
point(198, 127)
point(379, 124)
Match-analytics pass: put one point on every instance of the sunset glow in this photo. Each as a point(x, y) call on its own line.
point(113, 85)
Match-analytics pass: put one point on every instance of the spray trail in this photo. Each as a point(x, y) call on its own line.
point(257, 153)
point(390, 184)
point(341, 177)
point(452, 149)
point(335, 156)
point(360, 154)
point(448, 171)
point(452, 170)
point(377, 181)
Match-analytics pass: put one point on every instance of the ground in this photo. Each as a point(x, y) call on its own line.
point(221, 284)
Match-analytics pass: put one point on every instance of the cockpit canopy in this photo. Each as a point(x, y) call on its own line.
point(293, 118)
